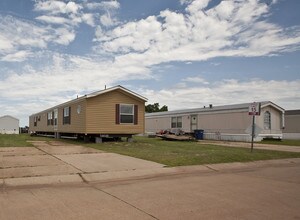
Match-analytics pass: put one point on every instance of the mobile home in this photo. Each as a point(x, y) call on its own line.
point(230, 122)
point(9, 125)
point(112, 112)
point(292, 125)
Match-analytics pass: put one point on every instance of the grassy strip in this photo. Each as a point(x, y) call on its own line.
point(174, 153)
point(282, 142)
point(18, 140)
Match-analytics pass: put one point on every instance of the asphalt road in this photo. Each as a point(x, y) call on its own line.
point(258, 192)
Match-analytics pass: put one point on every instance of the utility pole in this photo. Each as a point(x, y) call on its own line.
point(253, 132)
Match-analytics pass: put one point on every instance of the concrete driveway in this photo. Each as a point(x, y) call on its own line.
point(50, 162)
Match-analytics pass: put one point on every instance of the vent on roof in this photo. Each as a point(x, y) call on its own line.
point(210, 105)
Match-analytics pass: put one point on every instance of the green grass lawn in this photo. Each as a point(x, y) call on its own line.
point(171, 153)
point(18, 140)
point(282, 142)
point(175, 153)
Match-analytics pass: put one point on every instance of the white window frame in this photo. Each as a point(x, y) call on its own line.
point(176, 122)
point(49, 118)
point(267, 120)
point(132, 113)
point(66, 111)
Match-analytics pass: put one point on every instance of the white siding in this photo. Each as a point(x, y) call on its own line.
point(221, 125)
point(9, 125)
point(157, 124)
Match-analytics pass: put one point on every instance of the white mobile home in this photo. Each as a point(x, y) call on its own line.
point(292, 125)
point(9, 125)
point(228, 122)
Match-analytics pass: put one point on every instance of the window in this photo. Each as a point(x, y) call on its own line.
point(67, 115)
point(50, 118)
point(267, 120)
point(126, 114)
point(78, 109)
point(35, 121)
point(55, 115)
point(176, 122)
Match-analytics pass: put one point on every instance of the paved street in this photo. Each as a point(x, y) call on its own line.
point(58, 181)
point(270, 192)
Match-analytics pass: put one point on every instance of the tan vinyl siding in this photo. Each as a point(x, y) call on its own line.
point(77, 123)
point(77, 120)
point(101, 110)
point(41, 124)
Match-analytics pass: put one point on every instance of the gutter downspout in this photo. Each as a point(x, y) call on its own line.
point(282, 120)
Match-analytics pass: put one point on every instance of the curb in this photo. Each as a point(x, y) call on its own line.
point(42, 180)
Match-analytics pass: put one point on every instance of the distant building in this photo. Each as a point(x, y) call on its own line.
point(229, 122)
point(9, 125)
point(292, 124)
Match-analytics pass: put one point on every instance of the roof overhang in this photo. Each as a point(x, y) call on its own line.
point(269, 103)
point(4, 116)
point(117, 88)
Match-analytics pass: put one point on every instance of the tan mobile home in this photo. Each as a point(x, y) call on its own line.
point(113, 112)
point(228, 122)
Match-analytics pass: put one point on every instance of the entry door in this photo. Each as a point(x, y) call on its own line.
point(194, 122)
point(55, 118)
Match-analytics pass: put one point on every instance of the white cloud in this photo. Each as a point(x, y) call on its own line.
point(196, 79)
point(64, 36)
point(5, 43)
point(17, 56)
point(89, 19)
point(53, 19)
point(185, 1)
point(104, 5)
point(107, 21)
point(57, 7)
point(227, 92)
point(232, 28)
point(22, 37)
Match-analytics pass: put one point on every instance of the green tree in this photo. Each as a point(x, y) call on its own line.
point(155, 108)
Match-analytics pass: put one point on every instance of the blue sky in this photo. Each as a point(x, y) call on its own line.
point(180, 53)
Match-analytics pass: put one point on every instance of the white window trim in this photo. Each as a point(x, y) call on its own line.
point(268, 113)
point(120, 113)
point(49, 117)
point(66, 110)
point(176, 121)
